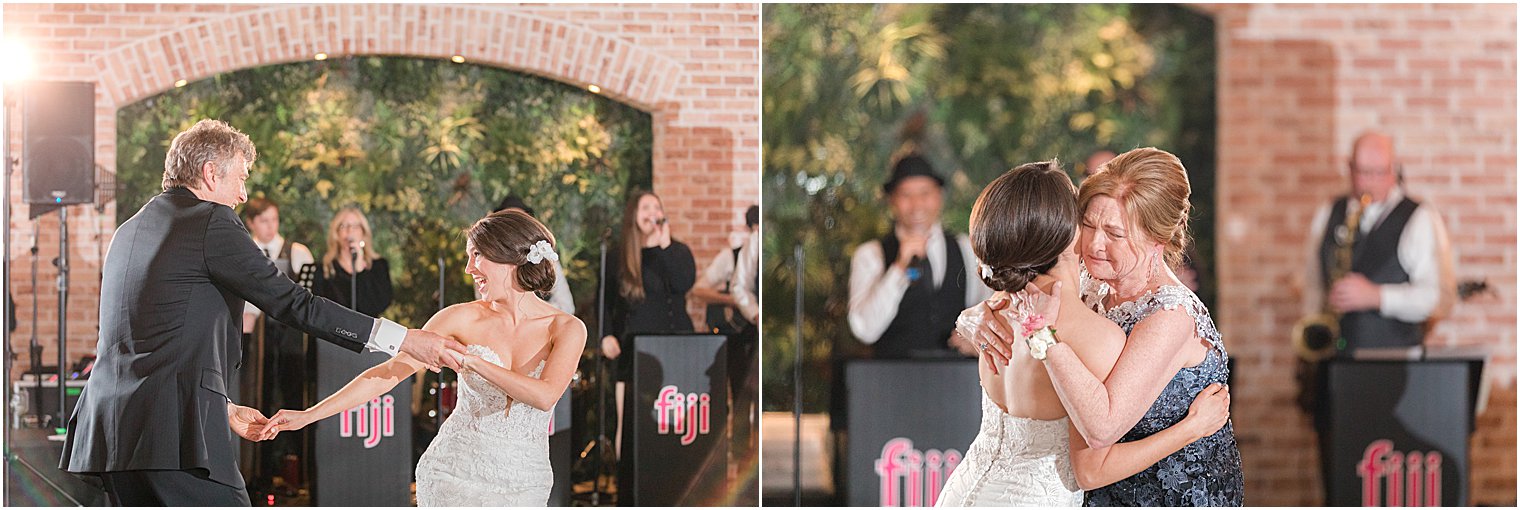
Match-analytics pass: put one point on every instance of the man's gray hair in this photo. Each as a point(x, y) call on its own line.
point(208, 141)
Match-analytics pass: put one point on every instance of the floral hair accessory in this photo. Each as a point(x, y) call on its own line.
point(541, 250)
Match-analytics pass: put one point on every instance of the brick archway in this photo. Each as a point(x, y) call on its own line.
point(523, 42)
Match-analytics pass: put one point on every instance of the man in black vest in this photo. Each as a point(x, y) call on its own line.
point(1394, 283)
point(907, 288)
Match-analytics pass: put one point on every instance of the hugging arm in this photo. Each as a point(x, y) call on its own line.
point(1103, 410)
point(1097, 467)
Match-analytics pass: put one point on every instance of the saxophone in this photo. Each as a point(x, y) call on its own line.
point(1318, 336)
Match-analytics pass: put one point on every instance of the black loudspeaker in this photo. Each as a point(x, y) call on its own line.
point(58, 153)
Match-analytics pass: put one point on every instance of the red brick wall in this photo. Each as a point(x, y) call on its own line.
point(1297, 83)
point(694, 67)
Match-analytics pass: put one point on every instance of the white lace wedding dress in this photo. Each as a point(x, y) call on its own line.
point(1014, 462)
point(485, 455)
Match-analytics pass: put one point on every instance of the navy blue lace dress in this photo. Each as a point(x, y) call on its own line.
point(1204, 473)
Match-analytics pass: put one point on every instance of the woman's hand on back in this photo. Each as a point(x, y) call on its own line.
point(987, 326)
point(1209, 411)
point(1042, 307)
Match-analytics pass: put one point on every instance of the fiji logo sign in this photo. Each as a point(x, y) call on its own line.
point(910, 477)
point(1418, 484)
point(684, 415)
point(371, 421)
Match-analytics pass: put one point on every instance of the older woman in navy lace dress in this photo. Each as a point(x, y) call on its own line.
point(1133, 227)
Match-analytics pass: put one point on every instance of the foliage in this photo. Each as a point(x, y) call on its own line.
point(424, 147)
point(978, 89)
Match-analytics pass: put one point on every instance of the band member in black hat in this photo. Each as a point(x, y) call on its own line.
point(907, 288)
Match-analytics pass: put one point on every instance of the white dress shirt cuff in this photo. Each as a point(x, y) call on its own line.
point(386, 337)
point(1406, 302)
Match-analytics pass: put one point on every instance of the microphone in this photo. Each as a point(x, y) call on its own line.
point(354, 246)
point(914, 273)
point(660, 220)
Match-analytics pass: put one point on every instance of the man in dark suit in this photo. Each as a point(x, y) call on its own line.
point(154, 421)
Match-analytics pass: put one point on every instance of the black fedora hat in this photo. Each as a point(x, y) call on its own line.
point(911, 165)
point(513, 201)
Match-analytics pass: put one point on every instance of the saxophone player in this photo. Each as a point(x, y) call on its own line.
point(1375, 260)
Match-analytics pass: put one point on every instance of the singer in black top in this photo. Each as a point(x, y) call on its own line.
point(350, 234)
point(907, 288)
point(646, 285)
point(647, 282)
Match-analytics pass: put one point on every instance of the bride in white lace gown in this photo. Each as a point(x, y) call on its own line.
point(484, 456)
point(494, 449)
point(1023, 229)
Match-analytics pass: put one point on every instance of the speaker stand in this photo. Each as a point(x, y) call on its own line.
point(63, 315)
point(5, 156)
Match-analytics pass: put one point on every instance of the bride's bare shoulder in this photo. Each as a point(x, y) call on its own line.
point(569, 327)
point(1092, 327)
point(454, 319)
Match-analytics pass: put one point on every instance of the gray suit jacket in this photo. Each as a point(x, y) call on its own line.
point(171, 300)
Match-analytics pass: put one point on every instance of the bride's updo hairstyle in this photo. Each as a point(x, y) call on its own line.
point(1022, 222)
point(505, 237)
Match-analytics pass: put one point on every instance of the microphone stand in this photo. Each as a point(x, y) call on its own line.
point(601, 376)
point(442, 272)
point(353, 278)
point(797, 387)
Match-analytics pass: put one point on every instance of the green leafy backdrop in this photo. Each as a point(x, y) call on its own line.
point(424, 147)
point(978, 89)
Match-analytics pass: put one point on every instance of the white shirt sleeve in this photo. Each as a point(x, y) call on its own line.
point(300, 257)
point(386, 337)
point(718, 271)
point(744, 277)
point(874, 294)
point(1418, 254)
point(1314, 290)
point(559, 295)
point(976, 290)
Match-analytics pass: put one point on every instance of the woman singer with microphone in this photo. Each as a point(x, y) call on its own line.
point(351, 251)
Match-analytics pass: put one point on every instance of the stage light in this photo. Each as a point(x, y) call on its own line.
point(180, 83)
point(458, 59)
point(594, 89)
point(18, 62)
point(432, 413)
point(321, 56)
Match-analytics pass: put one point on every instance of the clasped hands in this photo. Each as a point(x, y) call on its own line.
point(248, 423)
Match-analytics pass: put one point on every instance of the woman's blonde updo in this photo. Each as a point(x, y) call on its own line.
point(1152, 187)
